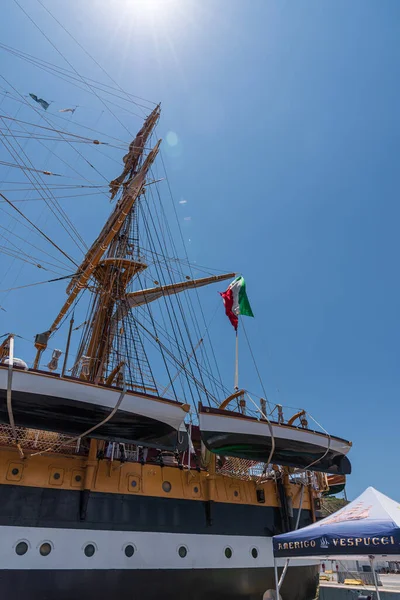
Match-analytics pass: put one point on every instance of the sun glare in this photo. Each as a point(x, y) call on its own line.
point(152, 9)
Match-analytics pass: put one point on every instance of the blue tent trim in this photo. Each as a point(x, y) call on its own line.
point(370, 525)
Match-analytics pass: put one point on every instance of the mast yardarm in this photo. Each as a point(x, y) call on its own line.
point(132, 190)
point(109, 266)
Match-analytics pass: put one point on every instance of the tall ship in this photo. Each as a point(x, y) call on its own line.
point(128, 467)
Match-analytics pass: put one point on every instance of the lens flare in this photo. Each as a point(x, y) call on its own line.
point(151, 9)
point(172, 138)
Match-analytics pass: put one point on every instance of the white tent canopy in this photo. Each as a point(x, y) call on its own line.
point(369, 526)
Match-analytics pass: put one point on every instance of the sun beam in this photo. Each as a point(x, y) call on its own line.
point(151, 9)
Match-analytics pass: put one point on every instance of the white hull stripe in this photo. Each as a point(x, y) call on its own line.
point(225, 424)
point(42, 385)
point(152, 550)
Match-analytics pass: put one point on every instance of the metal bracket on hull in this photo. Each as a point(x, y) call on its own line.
point(91, 465)
point(284, 507)
point(83, 504)
point(208, 506)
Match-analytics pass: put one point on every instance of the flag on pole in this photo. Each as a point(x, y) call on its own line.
point(236, 301)
point(71, 110)
point(40, 101)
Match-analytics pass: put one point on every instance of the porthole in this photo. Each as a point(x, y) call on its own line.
point(236, 493)
point(78, 478)
point(166, 486)
point(129, 550)
point(182, 551)
point(45, 549)
point(15, 471)
point(228, 552)
point(254, 552)
point(133, 483)
point(56, 475)
point(21, 548)
point(89, 550)
point(195, 489)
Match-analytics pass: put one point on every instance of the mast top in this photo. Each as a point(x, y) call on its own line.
point(132, 179)
point(111, 334)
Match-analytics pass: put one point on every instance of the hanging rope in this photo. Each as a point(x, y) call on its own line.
point(38, 229)
point(325, 453)
point(271, 431)
point(285, 568)
point(92, 429)
point(9, 392)
point(255, 365)
point(21, 287)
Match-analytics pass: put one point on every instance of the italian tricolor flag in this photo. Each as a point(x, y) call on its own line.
point(236, 301)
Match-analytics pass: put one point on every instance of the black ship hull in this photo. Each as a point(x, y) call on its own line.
point(194, 584)
point(143, 548)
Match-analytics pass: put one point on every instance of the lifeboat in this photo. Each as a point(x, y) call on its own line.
point(230, 433)
point(336, 484)
point(46, 401)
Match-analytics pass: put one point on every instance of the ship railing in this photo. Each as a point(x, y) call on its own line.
point(244, 469)
point(263, 410)
point(38, 441)
point(278, 413)
point(260, 472)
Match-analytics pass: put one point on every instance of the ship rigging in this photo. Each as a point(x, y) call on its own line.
point(122, 427)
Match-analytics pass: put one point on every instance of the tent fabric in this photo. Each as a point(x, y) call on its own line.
point(369, 525)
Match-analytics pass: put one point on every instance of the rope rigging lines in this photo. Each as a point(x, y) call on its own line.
point(72, 75)
point(59, 158)
point(38, 229)
point(82, 79)
point(23, 160)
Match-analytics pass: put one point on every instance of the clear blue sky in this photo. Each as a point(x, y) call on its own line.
point(287, 120)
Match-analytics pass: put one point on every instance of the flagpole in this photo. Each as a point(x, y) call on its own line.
point(276, 580)
point(236, 385)
point(371, 560)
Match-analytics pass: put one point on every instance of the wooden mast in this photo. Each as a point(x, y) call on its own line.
point(132, 190)
point(110, 266)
